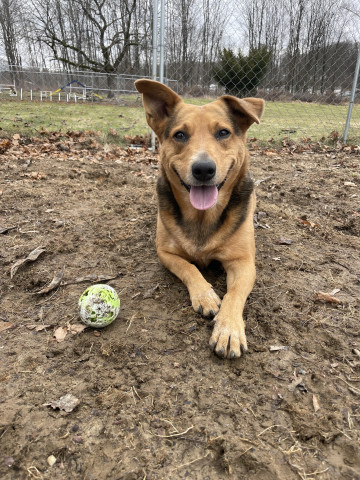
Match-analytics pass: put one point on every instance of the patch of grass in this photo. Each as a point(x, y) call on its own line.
point(30, 118)
point(295, 120)
point(299, 120)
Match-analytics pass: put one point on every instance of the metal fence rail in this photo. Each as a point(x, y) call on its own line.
point(296, 55)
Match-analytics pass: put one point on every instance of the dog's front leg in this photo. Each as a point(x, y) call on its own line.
point(203, 298)
point(228, 337)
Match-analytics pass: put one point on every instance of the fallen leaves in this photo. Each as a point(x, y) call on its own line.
point(34, 255)
point(5, 145)
point(284, 241)
point(67, 403)
point(60, 333)
point(6, 325)
point(327, 298)
point(307, 223)
point(4, 230)
point(55, 282)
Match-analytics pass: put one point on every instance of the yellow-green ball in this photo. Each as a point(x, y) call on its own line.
point(99, 306)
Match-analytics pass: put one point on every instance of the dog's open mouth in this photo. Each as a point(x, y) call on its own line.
point(202, 197)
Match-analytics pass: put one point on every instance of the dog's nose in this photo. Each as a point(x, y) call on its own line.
point(204, 170)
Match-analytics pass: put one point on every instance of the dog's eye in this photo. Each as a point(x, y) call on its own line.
point(180, 136)
point(223, 133)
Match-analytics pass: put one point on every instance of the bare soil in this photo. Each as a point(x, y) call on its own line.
point(153, 400)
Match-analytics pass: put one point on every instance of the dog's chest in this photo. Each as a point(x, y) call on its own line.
point(201, 254)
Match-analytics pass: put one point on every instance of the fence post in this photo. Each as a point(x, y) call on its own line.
point(154, 59)
point(352, 97)
point(162, 30)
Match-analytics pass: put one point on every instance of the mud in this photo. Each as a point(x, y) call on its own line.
point(153, 402)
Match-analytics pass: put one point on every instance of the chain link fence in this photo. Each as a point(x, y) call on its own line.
point(295, 55)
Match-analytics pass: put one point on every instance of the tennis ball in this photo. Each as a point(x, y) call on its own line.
point(99, 305)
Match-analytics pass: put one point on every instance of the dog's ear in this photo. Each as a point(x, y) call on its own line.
point(246, 111)
point(159, 103)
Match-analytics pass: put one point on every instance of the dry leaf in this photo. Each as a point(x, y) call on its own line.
point(5, 145)
point(283, 241)
point(37, 328)
point(316, 403)
point(6, 325)
point(66, 402)
point(55, 282)
point(76, 328)
point(30, 258)
point(306, 223)
point(91, 278)
point(6, 229)
point(60, 334)
point(326, 297)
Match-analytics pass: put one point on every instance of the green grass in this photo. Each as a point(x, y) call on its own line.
point(295, 120)
point(30, 118)
point(299, 121)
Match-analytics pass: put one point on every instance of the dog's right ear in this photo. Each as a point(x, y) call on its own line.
point(159, 103)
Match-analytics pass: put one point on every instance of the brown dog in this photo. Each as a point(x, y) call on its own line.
point(206, 202)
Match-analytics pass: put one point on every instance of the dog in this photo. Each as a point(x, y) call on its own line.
point(206, 202)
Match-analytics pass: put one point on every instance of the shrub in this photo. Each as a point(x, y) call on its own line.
point(239, 74)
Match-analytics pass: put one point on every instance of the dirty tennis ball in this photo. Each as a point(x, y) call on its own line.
point(99, 305)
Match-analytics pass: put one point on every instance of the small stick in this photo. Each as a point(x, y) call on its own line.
point(130, 322)
point(351, 388)
point(174, 434)
point(193, 461)
point(243, 453)
point(268, 428)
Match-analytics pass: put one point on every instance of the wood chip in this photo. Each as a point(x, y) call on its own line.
point(316, 403)
point(276, 348)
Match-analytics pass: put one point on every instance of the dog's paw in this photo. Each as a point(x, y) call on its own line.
point(206, 303)
point(228, 339)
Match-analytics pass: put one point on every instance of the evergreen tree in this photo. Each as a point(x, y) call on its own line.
point(239, 74)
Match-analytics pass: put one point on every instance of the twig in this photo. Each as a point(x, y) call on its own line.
point(351, 388)
point(190, 463)
point(268, 428)
point(136, 393)
point(130, 322)
point(243, 453)
point(174, 434)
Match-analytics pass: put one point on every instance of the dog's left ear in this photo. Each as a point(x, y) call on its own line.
point(159, 103)
point(245, 110)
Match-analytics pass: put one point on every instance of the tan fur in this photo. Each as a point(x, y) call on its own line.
point(223, 232)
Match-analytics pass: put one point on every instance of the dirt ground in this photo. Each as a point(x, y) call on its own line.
point(149, 400)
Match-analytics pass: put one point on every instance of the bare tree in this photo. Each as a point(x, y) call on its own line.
point(94, 35)
point(9, 33)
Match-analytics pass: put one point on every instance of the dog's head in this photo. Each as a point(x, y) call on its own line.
point(203, 148)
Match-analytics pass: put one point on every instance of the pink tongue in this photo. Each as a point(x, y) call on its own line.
point(203, 197)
